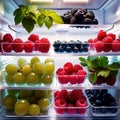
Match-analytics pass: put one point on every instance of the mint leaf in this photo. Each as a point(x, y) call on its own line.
point(32, 15)
point(42, 11)
point(17, 12)
point(41, 19)
point(83, 61)
point(114, 66)
point(92, 78)
point(28, 24)
point(103, 73)
point(48, 22)
point(23, 8)
point(32, 8)
point(18, 19)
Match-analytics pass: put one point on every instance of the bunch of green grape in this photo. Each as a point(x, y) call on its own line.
point(34, 72)
point(27, 102)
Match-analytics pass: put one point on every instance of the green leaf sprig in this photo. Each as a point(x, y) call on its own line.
point(99, 66)
point(31, 15)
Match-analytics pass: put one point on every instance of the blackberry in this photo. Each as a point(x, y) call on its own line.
point(73, 20)
point(95, 21)
point(73, 11)
point(90, 15)
point(79, 15)
point(87, 21)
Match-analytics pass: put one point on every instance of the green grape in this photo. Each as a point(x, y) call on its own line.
point(19, 78)
point(9, 101)
point(44, 104)
point(34, 59)
point(24, 94)
point(49, 95)
point(47, 80)
point(33, 99)
point(38, 68)
point(41, 93)
point(26, 69)
point(12, 92)
point(49, 60)
point(33, 79)
point(49, 68)
point(21, 61)
point(11, 69)
point(9, 79)
point(21, 107)
point(34, 110)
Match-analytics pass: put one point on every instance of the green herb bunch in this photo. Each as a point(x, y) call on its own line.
point(31, 15)
point(99, 66)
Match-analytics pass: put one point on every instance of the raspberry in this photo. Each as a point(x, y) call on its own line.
point(33, 37)
point(75, 95)
point(60, 105)
point(59, 70)
point(56, 94)
point(7, 47)
point(28, 46)
point(68, 67)
point(107, 43)
point(99, 45)
point(71, 109)
point(115, 46)
point(101, 35)
point(112, 35)
point(77, 67)
point(44, 45)
point(91, 43)
point(18, 45)
point(7, 38)
point(63, 94)
point(73, 79)
point(37, 45)
point(63, 79)
point(81, 76)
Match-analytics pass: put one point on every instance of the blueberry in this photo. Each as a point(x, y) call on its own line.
point(56, 44)
point(98, 102)
point(85, 45)
point(61, 49)
point(88, 92)
point(75, 50)
point(81, 49)
point(68, 49)
point(85, 49)
point(103, 110)
point(64, 44)
point(104, 91)
point(95, 92)
point(78, 44)
point(56, 49)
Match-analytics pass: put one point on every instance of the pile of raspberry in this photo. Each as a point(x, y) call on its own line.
point(70, 102)
point(105, 42)
point(71, 73)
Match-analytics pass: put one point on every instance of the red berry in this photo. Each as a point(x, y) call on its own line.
point(1, 45)
point(99, 46)
point(33, 37)
point(56, 93)
point(71, 109)
point(100, 80)
point(73, 79)
point(82, 104)
point(115, 46)
point(63, 94)
point(75, 95)
point(81, 76)
point(60, 105)
point(59, 70)
point(68, 67)
point(7, 38)
point(112, 35)
point(37, 45)
point(7, 47)
point(91, 43)
point(18, 45)
point(101, 35)
point(110, 80)
point(107, 43)
point(77, 67)
point(28, 46)
point(63, 79)
point(44, 45)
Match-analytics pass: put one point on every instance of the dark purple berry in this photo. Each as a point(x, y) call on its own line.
point(68, 49)
point(87, 21)
point(95, 21)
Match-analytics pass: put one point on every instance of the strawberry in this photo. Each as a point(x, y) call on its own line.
point(33, 37)
point(107, 43)
point(100, 80)
point(44, 45)
point(81, 76)
point(113, 36)
point(68, 67)
point(101, 35)
point(115, 46)
point(99, 46)
point(7, 38)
